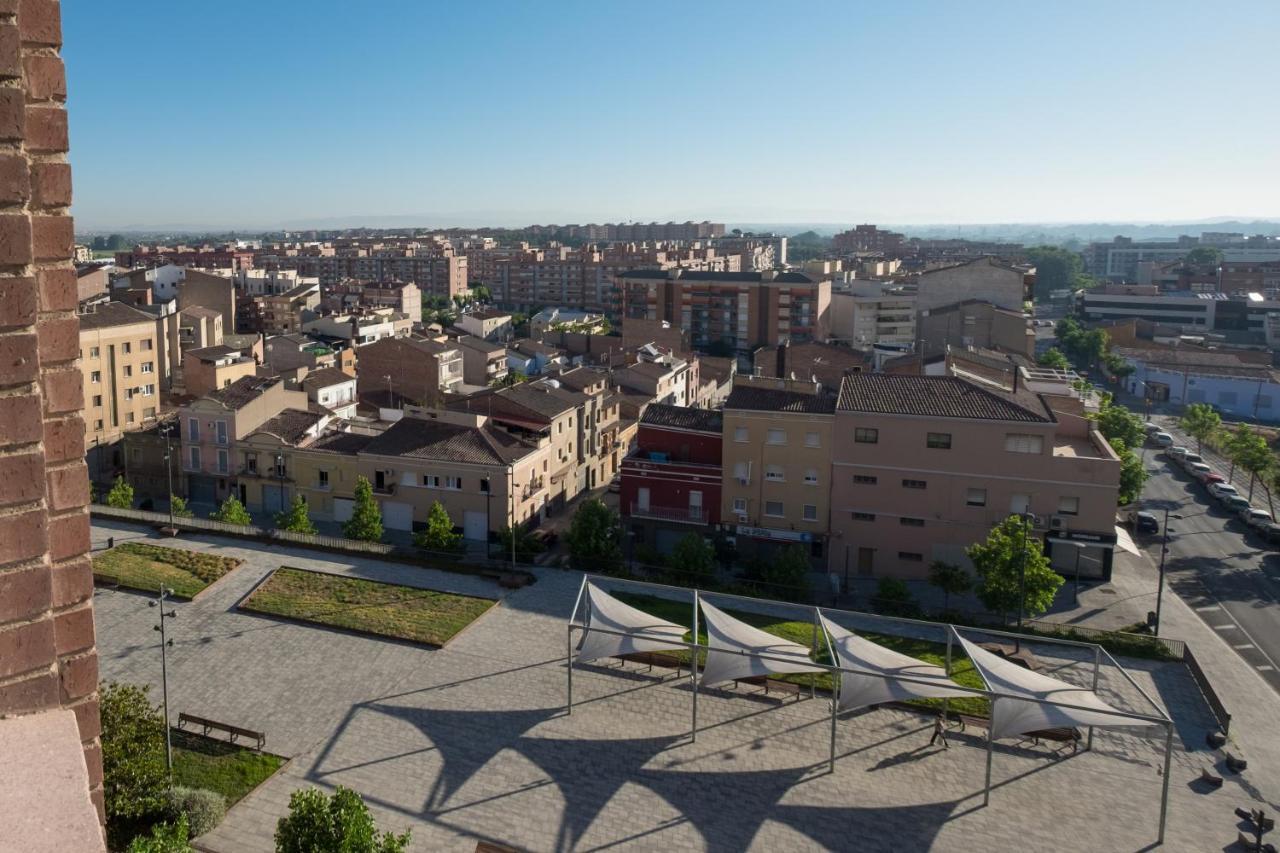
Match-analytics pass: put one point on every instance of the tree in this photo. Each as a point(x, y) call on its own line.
point(340, 823)
point(180, 508)
point(786, 573)
point(1053, 358)
point(1011, 557)
point(951, 579)
point(513, 377)
point(295, 519)
point(438, 534)
point(1116, 422)
point(594, 544)
point(481, 294)
point(121, 495)
point(1056, 269)
point(1133, 474)
point(693, 560)
point(365, 523)
point(1201, 422)
point(1251, 452)
point(527, 546)
point(232, 512)
point(164, 838)
point(134, 777)
point(1206, 256)
point(894, 598)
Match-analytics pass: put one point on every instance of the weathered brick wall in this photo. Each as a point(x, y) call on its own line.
point(48, 656)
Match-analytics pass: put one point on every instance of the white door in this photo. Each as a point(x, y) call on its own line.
point(343, 508)
point(397, 516)
point(475, 526)
point(642, 499)
point(695, 506)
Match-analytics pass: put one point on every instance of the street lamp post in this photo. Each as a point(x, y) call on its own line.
point(168, 464)
point(1164, 549)
point(280, 479)
point(1027, 518)
point(165, 643)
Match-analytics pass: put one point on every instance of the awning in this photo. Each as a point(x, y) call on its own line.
point(736, 647)
point(1125, 542)
point(640, 631)
point(929, 681)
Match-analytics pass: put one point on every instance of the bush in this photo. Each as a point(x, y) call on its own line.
point(121, 495)
point(232, 512)
point(133, 771)
point(894, 598)
point(202, 808)
point(338, 824)
point(164, 838)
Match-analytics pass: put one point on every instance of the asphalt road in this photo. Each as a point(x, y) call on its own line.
point(1225, 571)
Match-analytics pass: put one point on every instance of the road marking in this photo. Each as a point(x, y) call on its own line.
point(1209, 607)
point(1244, 646)
point(1264, 667)
point(1226, 627)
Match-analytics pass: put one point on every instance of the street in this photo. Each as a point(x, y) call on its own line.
point(1230, 577)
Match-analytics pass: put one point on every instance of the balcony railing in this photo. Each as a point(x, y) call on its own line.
point(685, 515)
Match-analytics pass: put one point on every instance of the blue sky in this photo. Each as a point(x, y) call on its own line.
point(256, 114)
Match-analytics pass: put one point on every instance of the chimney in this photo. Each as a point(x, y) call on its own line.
point(780, 368)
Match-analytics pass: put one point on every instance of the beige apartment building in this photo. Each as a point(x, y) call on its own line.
point(118, 358)
point(776, 463)
point(927, 465)
point(210, 368)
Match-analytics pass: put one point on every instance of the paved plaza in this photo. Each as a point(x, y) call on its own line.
point(471, 741)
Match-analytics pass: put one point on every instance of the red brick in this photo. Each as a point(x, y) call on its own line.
point(15, 179)
point(79, 677)
point(21, 478)
point(19, 361)
point(40, 22)
point(20, 421)
point(52, 237)
point(57, 289)
point(63, 439)
point(51, 184)
point(87, 718)
point(71, 582)
point(18, 301)
point(22, 536)
point(10, 50)
point(45, 77)
point(46, 129)
point(73, 630)
point(24, 648)
point(15, 239)
point(25, 594)
point(93, 763)
point(36, 693)
point(63, 390)
point(13, 105)
point(59, 339)
point(68, 487)
point(9, 7)
point(68, 536)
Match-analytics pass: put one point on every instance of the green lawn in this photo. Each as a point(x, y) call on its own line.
point(962, 670)
point(138, 565)
point(231, 770)
point(384, 609)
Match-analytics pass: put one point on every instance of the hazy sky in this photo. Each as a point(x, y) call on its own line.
point(284, 111)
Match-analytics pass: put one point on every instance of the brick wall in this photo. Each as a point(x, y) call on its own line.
point(48, 657)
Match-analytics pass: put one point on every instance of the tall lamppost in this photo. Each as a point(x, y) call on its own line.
point(1027, 520)
point(1164, 550)
point(168, 464)
point(280, 478)
point(165, 643)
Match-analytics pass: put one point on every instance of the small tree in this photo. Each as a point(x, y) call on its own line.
point(951, 579)
point(340, 823)
point(439, 534)
point(526, 547)
point(1133, 474)
point(1011, 552)
point(1116, 422)
point(365, 523)
point(180, 508)
point(1251, 452)
point(134, 778)
point(1200, 422)
point(693, 560)
point(894, 598)
point(593, 539)
point(1053, 358)
point(121, 495)
point(232, 512)
point(786, 573)
point(295, 519)
point(164, 838)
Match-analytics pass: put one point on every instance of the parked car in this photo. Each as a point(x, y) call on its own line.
point(1198, 469)
point(1236, 504)
point(1255, 517)
point(1151, 428)
point(1174, 453)
point(1162, 439)
point(1188, 459)
point(1270, 532)
point(1218, 491)
point(1144, 522)
point(1211, 478)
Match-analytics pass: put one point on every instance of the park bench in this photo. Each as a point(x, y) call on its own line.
point(770, 684)
point(1060, 734)
point(1211, 779)
point(1247, 843)
point(652, 659)
point(206, 726)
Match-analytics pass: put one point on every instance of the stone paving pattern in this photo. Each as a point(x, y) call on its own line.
point(471, 741)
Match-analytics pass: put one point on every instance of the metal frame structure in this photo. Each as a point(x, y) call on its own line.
point(695, 648)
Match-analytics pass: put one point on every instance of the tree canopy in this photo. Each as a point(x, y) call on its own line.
point(1057, 269)
point(1117, 422)
point(340, 823)
point(1053, 358)
point(1133, 474)
point(593, 538)
point(1251, 452)
point(134, 777)
point(296, 519)
point(1009, 552)
point(439, 534)
point(1201, 422)
point(693, 560)
point(121, 495)
point(365, 523)
point(1208, 256)
point(950, 579)
point(232, 512)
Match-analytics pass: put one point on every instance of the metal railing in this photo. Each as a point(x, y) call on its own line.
point(688, 515)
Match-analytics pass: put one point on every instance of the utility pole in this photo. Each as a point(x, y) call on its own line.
point(168, 464)
point(1164, 549)
point(165, 643)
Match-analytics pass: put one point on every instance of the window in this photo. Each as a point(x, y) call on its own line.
point(148, 367)
point(145, 344)
point(431, 481)
point(811, 477)
point(453, 482)
point(193, 462)
point(864, 516)
point(251, 463)
point(484, 486)
point(773, 508)
point(776, 473)
point(742, 472)
point(95, 376)
point(1019, 504)
point(812, 439)
point(940, 440)
point(911, 522)
point(910, 557)
point(193, 429)
point(777, 436)
point(223, 465)
point(97, 399)
point(1068, 506)
point(1022, 443)
point(149, 412)
point(975, 497)
point(865, 435)
point(864, 480)
point(128, 370)
point(740, 506)
point(914, 484)
point(93, 352)
point(148, 390)
point(126, 347)
point(128, 418)
point(322, 478)
point(810, 512)
point(220, 431)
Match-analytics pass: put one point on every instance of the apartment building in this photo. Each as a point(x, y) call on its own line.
point(118, 360)
point(871, 314)
point(492, 326)
point(434, 270)
point(739, 311)
point(211, 368)
point(416, 369)
point(776, 461)
point(927, 465)
point(214, 257)
point(823, 363)
point(402, 297)
point(332, 389)
point(869, 238)
point(600, 445)
point(667, 380)
point(974, 323)
point(365, 327)
point(483, 362)
point(285, 313)
point(982, 279)
point(290, 352)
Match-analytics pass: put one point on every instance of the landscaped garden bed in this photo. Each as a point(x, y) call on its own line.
point(231, 770)
point(370, 607)
point(138, 565)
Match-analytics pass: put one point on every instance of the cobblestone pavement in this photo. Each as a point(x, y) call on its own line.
point(472, 742)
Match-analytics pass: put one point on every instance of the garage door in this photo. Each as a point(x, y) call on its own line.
point(274, 498)
point(475, 526)
point(397, 516)
point(202, 490)
point(342, 509)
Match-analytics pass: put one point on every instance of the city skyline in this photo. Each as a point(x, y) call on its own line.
point(504, 115)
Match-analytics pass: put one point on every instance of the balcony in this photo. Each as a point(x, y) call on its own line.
point(683, 515)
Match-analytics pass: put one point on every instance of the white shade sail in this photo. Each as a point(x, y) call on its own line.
point(735, 649)
point(858, 691)
point(1012, 716)
point(641, 632)
point(1125, 542)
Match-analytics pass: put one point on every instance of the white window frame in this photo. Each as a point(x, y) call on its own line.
point(776, 437)
point(812, 439)
point(782, 509)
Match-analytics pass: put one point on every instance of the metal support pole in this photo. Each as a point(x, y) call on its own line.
point(946, 702)
point(168, 462)
point(1164, 549)
point(1022, 570)
point(164, 672)
point(1164, 791)
point(986, 794)
point(832, 757)
point(693, 666)
point(568, 663)
point(813, 676)
point(1097, 663)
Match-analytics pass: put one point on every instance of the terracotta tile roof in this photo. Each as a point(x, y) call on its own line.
point(446, 442)
point(682, 417)
point(324, 378)
point(346, 443)
point(290, 426)
point(937, 396)
point(113, 314)
point(243, 391)
point(761, 399)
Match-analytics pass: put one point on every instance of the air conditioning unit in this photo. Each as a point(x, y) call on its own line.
point(1057, 522)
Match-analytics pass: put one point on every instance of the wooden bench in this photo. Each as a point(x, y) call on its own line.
point(234, 732)
point(652, 659)
point(1247, 843)
point(1210, 779)
point(1061, 734)
point(771, 684)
